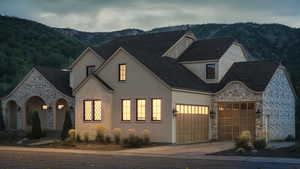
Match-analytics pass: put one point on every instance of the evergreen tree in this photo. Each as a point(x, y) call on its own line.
point(67, 126)
point(36, 126)
point(2, 127)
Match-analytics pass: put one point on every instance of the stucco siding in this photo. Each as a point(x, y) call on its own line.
point(279, 107)
point(233, 54)
point(180, 47)
point(199, 69)
point(92, 90)
point(140, 83)
point(78, 73)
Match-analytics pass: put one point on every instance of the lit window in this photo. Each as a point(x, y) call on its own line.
point(122, 72)
point(88, 113)
point(140, 109)
point(156, 109)
point(210, 71)
point(90, 69)
point(189, 109)
point(126, 110)
point(92, 110)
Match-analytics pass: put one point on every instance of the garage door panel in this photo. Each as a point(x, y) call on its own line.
point(191, 123)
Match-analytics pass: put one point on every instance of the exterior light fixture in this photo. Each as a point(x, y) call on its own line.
point(45, 107)
point(175, 112)
point(60, 106)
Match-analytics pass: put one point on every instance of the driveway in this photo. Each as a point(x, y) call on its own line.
point(191, 149)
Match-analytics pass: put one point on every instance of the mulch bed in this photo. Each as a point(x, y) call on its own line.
point(289, 152)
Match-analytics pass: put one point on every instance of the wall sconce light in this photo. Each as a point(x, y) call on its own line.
point(60, 106)
point(71, 107)
point(45, 107)
point(258, 112)
point(174, 112)
point(212, 114)
point(19, 108)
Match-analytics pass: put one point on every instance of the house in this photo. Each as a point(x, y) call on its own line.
point(182, 89)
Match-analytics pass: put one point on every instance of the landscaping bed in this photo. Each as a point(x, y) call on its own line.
point(288, 152)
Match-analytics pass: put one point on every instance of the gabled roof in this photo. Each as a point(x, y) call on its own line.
point(148, 49)
point(254, 74)
point(102, 81)
point(207, 49)
point(58, 78)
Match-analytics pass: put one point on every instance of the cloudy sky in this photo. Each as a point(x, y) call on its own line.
point(110, 15)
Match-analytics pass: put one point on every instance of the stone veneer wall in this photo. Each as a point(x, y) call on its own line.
point(279, 107)
point(236, 92)
point(35, 85)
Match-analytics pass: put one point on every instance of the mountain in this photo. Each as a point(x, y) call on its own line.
point(24, 43)
point(263, 41)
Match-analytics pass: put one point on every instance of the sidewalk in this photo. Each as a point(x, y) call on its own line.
point(191, 156)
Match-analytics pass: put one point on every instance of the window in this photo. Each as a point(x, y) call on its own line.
point(140, 109)
point(92, 110)
point(156, 109)
point(90, 69)
point(122, 72)
point(191, 109)
point(210, 71)
point(126, 110)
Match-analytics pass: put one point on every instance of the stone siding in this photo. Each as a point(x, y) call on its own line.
point(279, 107)
point(35, 85)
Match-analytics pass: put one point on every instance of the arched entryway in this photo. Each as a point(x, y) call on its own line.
point(61, 109)
point(12, 109)
point(36, 104)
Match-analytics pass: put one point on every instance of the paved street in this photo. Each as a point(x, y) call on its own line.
point(46, 160)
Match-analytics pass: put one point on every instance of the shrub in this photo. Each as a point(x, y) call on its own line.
point(146, 137)
point(107, 140)
point(289, 138)
point(71, 136)
point(117, 135)
point(243, 140)
point(66, 127)
point(36, 126)
point(260, 144)
point(86, 136)
point(100, 132)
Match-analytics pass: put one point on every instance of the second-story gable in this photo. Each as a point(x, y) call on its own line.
point(210, 59)
point(85, 64)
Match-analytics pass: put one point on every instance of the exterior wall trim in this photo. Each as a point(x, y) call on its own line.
point(191, 91)
point(199, 61)
point(235, 81)
point(82, 54)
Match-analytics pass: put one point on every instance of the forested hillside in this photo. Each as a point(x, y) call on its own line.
point(24, 43)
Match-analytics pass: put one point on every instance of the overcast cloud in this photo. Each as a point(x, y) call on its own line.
point(110, 15)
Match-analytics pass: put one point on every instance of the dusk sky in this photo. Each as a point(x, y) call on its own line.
point(111, 15)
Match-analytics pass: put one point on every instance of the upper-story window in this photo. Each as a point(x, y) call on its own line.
point(122, 72)
point(210, 71)
point(90, 69)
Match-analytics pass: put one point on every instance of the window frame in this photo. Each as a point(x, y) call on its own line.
point(206, 72)
point(122, 64)
point(87, 69)
point(136, 108)
point(158, 98)
point(93, 110)
point(122, 110)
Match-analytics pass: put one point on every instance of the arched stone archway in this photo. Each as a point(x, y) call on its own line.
point(61, 109)
point(12, 110)
point(35, 104)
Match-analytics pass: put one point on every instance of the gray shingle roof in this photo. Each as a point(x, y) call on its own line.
point(254, 74)
point(207, 49)
point(58, 78)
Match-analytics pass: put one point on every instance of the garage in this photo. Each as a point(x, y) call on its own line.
point(191, 123)
point(234, 118)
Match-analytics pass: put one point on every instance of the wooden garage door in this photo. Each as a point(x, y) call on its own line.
point(235, 118)
point(191, 123)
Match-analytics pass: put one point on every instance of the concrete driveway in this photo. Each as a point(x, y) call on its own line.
point(191, 149)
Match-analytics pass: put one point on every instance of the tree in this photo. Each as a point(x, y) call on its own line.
point(67, 126)
point(36, 126)
point(2, 127)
